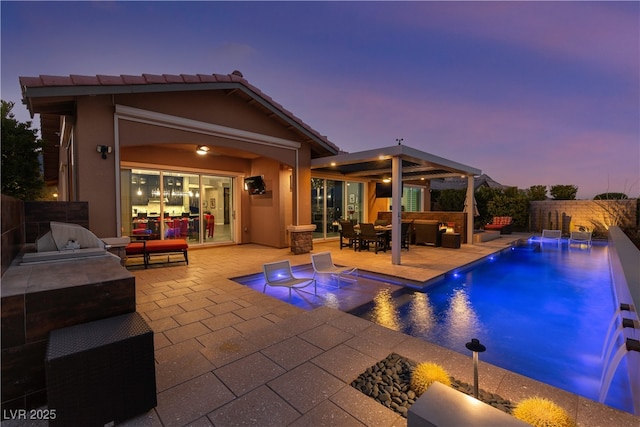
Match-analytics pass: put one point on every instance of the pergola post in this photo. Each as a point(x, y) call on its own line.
point(470, 208)
point(396, 203)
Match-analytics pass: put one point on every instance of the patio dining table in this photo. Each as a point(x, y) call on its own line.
point(381, 230)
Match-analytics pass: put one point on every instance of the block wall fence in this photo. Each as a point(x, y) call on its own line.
point(23, 222)
point(12, 229)
point(592, 215)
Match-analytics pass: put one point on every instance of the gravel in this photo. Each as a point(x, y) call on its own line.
point(388, 383)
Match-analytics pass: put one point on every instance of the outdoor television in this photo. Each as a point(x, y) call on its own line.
point(383, 189)
point(255, 185)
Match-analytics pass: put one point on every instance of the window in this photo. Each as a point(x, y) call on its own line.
point(412, 199)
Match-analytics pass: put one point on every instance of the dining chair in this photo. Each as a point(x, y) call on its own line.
point(369, 235)
point(348, 233)
point(405, 234)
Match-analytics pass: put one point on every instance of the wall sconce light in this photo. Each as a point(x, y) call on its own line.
point(202, 150)
point(476, 348)
point(104, 150)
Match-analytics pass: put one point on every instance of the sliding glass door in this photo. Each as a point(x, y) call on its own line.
point(169, 205)
point(333, 201)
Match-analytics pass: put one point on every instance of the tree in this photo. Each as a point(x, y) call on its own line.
point(537, 192)
point(21, 148)
point(563, 192)
point(483, 196)
point(513, 204)
point(451, 200)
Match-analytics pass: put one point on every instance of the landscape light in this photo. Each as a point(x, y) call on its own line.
point(476, 348)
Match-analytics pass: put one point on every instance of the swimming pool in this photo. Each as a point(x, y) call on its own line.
point(542, 310)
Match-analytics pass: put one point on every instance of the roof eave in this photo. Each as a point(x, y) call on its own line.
point(29, 93)
point(402, 151)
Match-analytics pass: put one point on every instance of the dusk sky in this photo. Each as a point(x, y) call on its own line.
point(531, 93)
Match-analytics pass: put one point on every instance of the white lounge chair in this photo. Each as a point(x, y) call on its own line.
point(580, 237)
point(279, 274)
point(551, 234)
point(323, 264)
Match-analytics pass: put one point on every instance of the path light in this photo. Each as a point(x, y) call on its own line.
point(476, 348)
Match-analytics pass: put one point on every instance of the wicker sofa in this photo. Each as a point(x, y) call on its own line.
point(427, 232)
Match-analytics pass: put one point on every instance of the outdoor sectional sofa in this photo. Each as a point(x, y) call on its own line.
point(427, 232)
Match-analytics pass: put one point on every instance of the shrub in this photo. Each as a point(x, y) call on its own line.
point(563, 192)
point(425, 374)
point(541, 412)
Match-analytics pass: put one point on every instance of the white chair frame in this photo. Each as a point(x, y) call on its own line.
point(323, 264)
point(551, 234)
point(279, 274)
point(580, 237)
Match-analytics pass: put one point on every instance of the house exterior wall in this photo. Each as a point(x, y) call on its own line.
point(95, 177)
point(302, 188)
point(262, 219)
point(214, 106)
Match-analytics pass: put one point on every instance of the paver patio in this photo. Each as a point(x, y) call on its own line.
point(227, 354)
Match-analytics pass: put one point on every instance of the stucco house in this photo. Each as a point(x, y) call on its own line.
point(211, 158)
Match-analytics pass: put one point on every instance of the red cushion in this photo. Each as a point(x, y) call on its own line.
point(166, 245)
point(501, 220)
point(135, 248)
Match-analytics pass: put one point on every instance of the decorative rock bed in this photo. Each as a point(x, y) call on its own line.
point(388, 382)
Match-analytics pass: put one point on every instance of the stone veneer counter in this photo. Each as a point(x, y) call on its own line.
point(38, 298)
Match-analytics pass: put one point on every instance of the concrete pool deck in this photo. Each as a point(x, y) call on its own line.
point(229, 355)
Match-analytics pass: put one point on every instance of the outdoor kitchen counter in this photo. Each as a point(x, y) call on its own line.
point(40, 297)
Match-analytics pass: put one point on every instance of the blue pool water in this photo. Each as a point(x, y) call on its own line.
point(541, 310)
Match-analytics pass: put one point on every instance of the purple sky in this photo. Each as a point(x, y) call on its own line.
point(532, 93)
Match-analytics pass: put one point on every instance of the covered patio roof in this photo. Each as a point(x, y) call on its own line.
point(376, 164)
point(402, 164)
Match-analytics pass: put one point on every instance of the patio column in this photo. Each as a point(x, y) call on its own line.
point(396, 202)
point(470, 208)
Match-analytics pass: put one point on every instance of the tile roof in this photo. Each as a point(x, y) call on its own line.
point(124, 79)
point(75, 80)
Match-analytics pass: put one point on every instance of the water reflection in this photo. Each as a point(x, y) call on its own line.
point(460, 319)
point(332, 300)
point(384, 311)
point(420, 314)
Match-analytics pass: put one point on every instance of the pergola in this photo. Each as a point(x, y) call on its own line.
point(402, 164)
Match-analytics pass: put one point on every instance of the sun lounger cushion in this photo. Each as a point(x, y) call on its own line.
point(173, 245)
point(135, 248)
point(501, 223)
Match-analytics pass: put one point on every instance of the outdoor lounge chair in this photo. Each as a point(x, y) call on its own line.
point(323, 264)
point(551, 234)
point(502, 224)
point(279, 274)
point(580, 237)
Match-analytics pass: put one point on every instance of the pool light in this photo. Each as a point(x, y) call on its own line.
point(476, 348)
